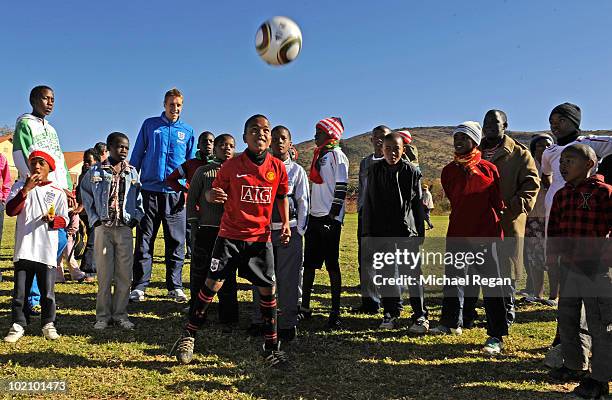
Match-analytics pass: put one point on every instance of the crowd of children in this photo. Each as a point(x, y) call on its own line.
point(539, 207)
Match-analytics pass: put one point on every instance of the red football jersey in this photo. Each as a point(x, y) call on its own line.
point(251, 190)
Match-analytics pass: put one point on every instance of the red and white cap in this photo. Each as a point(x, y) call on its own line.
point(406, 136)
point(332, 126)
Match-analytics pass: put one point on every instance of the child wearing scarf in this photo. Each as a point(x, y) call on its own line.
point(329, 176)
point(472, 187)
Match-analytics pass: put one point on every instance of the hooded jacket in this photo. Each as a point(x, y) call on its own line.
point(160, 148)
point(33, 133)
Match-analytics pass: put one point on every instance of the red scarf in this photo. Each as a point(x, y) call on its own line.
point(469, 161)
point(315, 175)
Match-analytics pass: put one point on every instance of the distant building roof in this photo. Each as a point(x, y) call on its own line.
point(73, 158)
point(4, 138)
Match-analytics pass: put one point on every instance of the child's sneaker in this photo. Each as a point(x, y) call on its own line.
point(275, 358)
point(493, 346)
point(14, 334)
point(443, 330)
point(100, 325)
point(49, 332)
point(389, 322)
point(420, 326)
point(137, 296)
point(125, 324)
point(589, 388)
point(183, 348)
point(178, 295)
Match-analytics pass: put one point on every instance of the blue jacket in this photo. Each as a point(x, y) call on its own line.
point(95, 188)
point(161, 146)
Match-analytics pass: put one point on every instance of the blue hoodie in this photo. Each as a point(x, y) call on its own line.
point(161, 146)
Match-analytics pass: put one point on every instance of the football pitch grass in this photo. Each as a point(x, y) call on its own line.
point(358, 362)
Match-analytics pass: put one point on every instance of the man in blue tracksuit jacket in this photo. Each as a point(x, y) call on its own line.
point(163, 143)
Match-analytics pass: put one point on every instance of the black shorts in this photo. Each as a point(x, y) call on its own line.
point(322, 243)
point(253, 261)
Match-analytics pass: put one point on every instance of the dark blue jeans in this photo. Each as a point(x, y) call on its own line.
point(168, 210)
point(458, 306)
point(34, 296)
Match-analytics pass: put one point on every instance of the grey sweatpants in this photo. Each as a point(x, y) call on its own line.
point(595, 292)
point(114, 255)
point(288, 270)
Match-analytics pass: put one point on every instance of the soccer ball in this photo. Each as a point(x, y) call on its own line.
point(278, 41)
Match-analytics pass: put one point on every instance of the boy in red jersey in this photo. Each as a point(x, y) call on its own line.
point(248, 186)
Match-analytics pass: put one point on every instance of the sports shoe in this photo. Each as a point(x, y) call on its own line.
point(420, 326)
point(389, 322)
point(334, 323)
point(137, 296)
point(493, 346)
point(565, 374)
point(100, 325)
point(49, 332)
point(554, 357)
point(275, 358)
point(183, 348)
point(14, 334)
point(125, 324)
point(178, 295)
point(443, 330)
point(589, 388)
point(304, 314)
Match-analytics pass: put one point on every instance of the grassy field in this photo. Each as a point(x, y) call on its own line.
point(360, 362)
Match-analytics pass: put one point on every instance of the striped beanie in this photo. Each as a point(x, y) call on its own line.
point(332, 126)
point(406, 136)
point(470, 128)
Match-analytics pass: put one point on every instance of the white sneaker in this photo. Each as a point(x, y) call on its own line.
point(125, 324)
point(49, 332)
point(100, 325)
point(178, 295)
point(137, 296)
point(14, 334)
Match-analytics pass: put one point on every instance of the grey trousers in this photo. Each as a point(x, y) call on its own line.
point(288, 269)
point(595, 293)
point(114, 256)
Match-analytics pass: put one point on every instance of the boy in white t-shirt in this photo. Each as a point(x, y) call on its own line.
point(329, 176)
point(41, 209)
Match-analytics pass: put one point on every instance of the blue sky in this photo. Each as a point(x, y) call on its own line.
point(400, 63)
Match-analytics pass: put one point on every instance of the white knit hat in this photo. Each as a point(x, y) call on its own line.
point(470, 128)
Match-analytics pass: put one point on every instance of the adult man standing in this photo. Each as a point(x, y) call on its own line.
point(519, 186)
point(163, 143)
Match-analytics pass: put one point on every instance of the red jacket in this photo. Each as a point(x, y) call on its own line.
point(475, 201)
